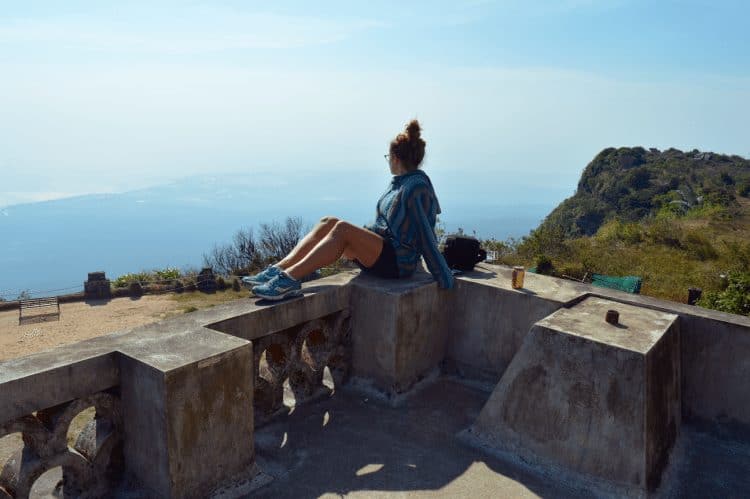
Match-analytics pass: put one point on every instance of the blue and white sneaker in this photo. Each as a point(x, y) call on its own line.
point(279, 287)
point(262, 277)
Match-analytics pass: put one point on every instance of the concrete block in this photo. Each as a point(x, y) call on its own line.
point(400, 330)
point(97, 286)
point(188, 427)
point(602, 400)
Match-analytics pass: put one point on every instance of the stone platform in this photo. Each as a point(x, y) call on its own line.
point(489, 392)
point(593, 397)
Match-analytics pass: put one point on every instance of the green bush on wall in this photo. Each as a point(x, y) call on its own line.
point(735, 298)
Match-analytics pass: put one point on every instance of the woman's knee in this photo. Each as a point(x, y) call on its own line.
point(341, 229)
point(329, 221)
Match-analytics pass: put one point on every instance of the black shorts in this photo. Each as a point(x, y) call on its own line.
point(385, 265)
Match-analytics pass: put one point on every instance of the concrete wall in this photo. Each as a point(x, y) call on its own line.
point(715, 371)
point(664, 403)
point(487, 325)
point(715, 361)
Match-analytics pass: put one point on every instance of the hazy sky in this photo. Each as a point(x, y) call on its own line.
point(107, 96)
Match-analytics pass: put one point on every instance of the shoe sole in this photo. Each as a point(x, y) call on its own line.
point(288, 294)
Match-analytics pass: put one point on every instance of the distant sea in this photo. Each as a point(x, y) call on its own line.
point(49, 247)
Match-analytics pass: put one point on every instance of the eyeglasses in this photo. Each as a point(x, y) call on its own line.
point(387, 157)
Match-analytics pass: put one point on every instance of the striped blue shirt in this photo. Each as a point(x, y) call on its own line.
point(406, 216)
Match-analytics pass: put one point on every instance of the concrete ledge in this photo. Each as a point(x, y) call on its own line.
point(251, 319)
point(50, 378)
point(72, 371)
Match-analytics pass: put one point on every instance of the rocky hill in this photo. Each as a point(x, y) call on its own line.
point(676, 219)
point(632, 184)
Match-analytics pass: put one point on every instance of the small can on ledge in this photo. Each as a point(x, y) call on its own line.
point(517, 277)
point(613, 317)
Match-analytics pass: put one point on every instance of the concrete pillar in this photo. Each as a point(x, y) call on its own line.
point(188, 415)
point(400, 330)
point(97, 286)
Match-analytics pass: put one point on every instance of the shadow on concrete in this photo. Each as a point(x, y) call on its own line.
point(478, 274)
point(36, 319)
point(97, 302)
point(320, 287)
point(708, 465)
point(263, 302)
point(351, 442)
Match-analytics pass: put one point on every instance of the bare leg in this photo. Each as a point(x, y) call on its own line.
point(308, 242)
point(344, 238)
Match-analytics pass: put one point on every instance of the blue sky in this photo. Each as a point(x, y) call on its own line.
point(109, 96)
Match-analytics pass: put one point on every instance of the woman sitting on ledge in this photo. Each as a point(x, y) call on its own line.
point(404, 230)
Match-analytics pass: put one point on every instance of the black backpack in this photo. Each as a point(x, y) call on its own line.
point(462, 252)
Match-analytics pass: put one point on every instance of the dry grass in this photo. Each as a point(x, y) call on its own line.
point(195, 300)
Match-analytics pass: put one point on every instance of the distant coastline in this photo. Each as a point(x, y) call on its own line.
point(52, 245)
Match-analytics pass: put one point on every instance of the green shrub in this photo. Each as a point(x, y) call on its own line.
point(167, 274)
point(738, 255)
point(709, 211)
point(143, 277)
point(544, 265)
point(124, 280)
point(573, 271)
point(221, 284)
point(547, 239)
point(735, 298)
point(615, 230)
point(744, 189)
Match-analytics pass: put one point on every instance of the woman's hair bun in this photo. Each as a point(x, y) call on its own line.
point(413, 130)
point(409, 146)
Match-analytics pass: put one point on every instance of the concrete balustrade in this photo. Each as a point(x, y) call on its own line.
point(88, 465)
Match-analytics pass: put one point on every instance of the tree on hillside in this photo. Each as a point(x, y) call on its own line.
point(277, 240)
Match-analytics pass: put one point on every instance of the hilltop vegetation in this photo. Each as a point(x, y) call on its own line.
point(631, 184)
point(676, 219)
